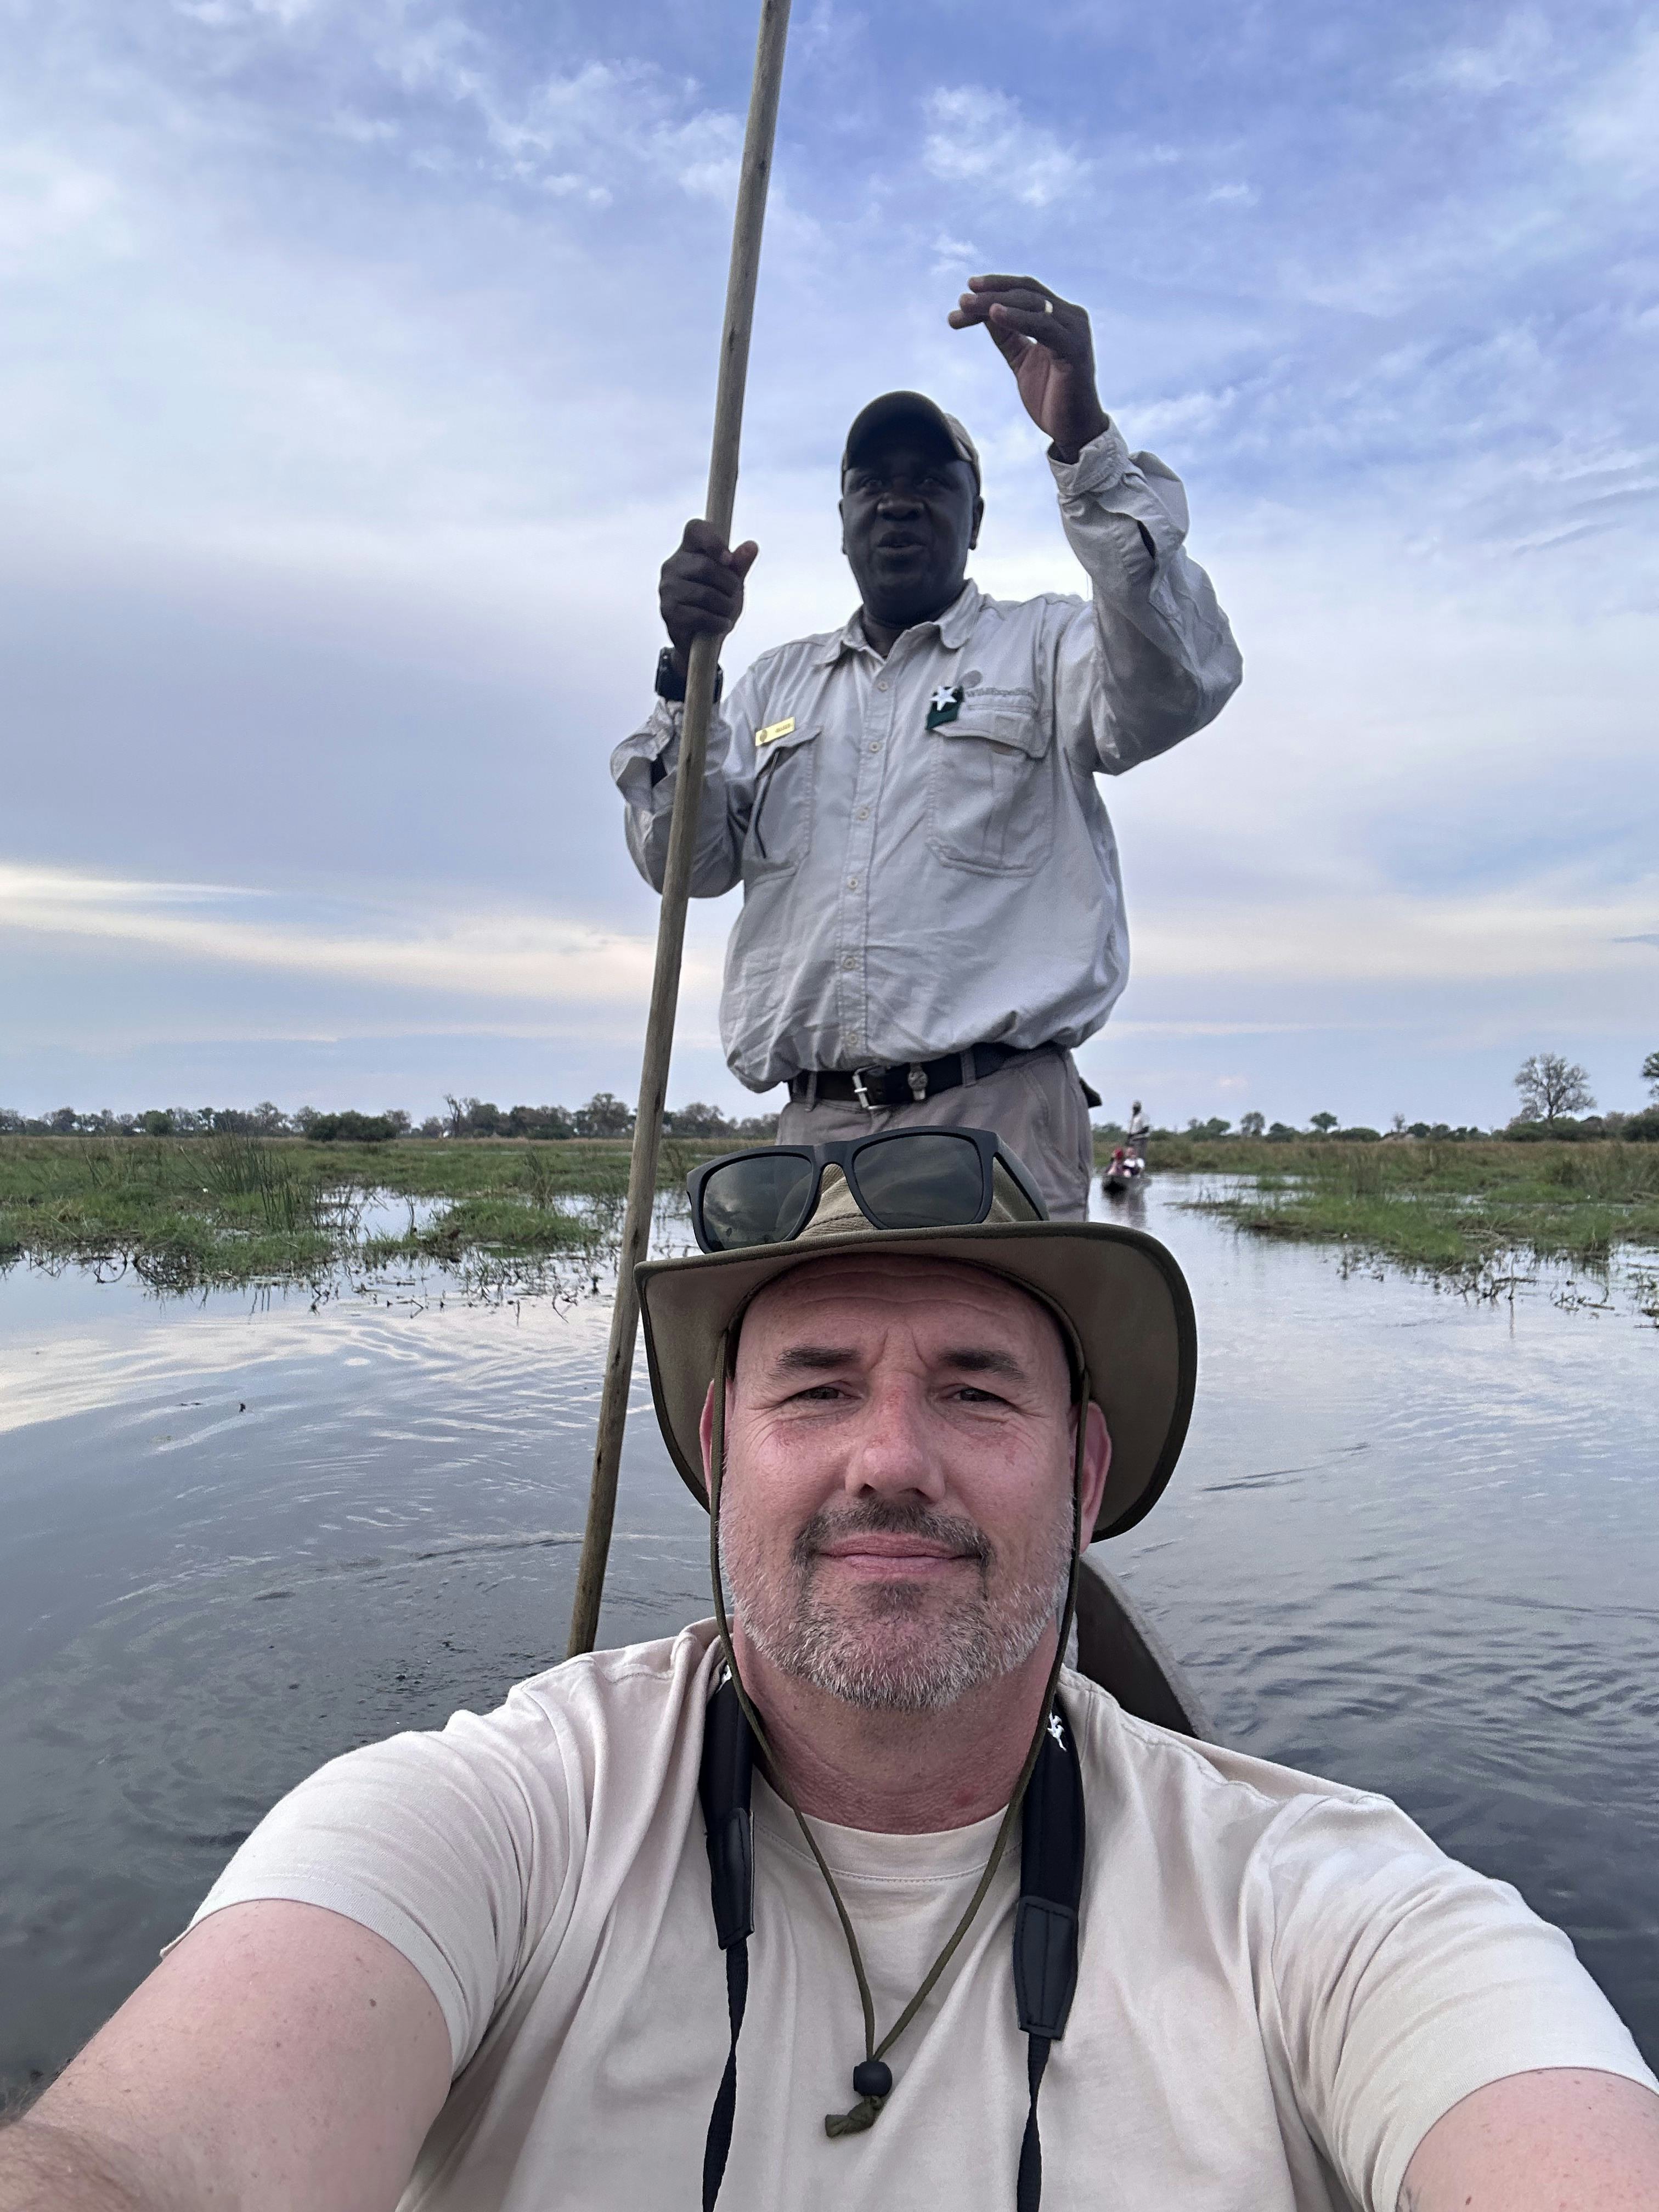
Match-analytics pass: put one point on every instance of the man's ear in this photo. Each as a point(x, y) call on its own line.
point(1097, 1465)
point(979, 517)
point(841, 509)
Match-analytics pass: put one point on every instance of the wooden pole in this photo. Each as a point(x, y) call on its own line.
point(683, 830)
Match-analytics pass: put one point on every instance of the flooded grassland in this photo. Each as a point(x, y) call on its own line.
point(185, 1213)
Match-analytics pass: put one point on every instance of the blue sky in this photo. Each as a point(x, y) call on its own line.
point(355, 375)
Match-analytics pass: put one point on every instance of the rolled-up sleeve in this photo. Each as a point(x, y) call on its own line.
point(1153, 658)
point(644, 768)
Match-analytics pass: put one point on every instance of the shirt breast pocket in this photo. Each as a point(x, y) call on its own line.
point(990, 801)
point(780, 817)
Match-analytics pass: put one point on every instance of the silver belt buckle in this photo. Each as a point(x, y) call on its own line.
point(870, 1105)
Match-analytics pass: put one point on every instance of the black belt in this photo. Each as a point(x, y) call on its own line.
point(909, 1083)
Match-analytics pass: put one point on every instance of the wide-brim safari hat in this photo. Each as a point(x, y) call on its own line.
point(1121, 1299)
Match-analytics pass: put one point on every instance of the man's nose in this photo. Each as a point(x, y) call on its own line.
point(898, 498)
point(896, 1451)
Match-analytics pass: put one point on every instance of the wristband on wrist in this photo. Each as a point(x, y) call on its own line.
point(671, 684)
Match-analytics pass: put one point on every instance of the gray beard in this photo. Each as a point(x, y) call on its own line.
point(891, 1650)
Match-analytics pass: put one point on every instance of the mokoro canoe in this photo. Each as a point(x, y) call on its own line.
point(1118, 1647)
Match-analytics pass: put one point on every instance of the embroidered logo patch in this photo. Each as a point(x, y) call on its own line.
point(944, 706)
point(774, 730)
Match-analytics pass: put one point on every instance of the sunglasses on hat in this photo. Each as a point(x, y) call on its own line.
point(900, 1179)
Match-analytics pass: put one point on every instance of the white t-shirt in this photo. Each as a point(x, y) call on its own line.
point(1284, 1984)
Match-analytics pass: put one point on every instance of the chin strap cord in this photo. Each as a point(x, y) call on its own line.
point(1048, 1798)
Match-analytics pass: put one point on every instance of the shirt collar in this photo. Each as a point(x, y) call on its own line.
point(955, 626)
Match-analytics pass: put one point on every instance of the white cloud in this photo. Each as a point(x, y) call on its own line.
point(976, 136)
point(1121, 1028)
point(1520, 54)
point(583, 132)
point(223, 14)
point(48, 200)
point(1524, 933)
point(1235, 195)
point(1188, 414)
point(1615, 126)
point(489, 954)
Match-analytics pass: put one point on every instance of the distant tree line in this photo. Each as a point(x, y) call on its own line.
point(1554, 1094)
point(1552, 1090)
point(264, 1120)
point(603, 1116)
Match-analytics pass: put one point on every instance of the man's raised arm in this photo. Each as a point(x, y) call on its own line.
point(1156, 661)
point(280, 2056)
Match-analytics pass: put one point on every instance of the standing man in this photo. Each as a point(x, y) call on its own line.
point(933, 913)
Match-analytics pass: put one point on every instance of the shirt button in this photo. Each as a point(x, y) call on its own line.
point(875, 745)
point(863, 814)
point(852, 882)
point(849, 963)
point(881, 683)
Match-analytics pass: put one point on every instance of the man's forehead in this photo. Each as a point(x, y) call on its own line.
point(877, 1291)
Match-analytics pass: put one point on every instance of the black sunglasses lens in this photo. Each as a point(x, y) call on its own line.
point(920, 1181)
point(754, 1201)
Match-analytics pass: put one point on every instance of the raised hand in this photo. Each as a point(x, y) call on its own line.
point(1046, 341)
point(702, 586)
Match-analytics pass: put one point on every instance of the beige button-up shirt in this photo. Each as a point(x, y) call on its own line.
point(911, 890)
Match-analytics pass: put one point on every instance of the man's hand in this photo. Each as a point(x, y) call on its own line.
point(702, 587)
point(1045, 340)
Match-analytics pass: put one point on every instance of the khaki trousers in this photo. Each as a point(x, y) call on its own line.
point(1034, 1103)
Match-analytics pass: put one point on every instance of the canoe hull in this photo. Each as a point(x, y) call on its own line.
point(1118, 1647)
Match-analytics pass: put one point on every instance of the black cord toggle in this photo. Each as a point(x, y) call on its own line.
point(872, 2078)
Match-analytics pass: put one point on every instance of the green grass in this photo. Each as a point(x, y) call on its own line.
point(1458, 1208)
point(187, 1213)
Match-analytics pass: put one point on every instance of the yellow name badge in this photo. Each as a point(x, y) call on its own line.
point(774, 730)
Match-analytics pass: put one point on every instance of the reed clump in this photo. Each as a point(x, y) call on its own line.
point(182, 1214)
point(1457, 1205)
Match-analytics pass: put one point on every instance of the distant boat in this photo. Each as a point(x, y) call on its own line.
point(1123, 1171)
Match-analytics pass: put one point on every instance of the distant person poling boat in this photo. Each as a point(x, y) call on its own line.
point(1127, 1166)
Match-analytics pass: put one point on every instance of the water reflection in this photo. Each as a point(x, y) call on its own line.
point(1412, 1545)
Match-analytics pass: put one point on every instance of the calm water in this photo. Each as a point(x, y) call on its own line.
point(1413, 1543)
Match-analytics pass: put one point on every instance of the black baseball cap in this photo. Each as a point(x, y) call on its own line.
point(909, 407)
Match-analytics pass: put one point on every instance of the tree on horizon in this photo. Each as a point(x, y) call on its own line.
point(1551, 1085)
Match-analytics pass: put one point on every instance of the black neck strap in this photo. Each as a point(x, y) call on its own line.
point(724, 1784)
point(1052, 1839)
